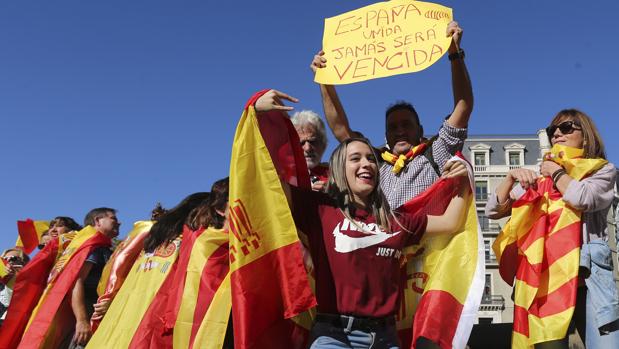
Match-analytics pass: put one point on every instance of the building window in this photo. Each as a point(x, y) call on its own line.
point(481, 190)
point(514, 159)
point(514, 155)
point(480, 159)
point(484, 222)
point(487, 296)
point(487, 249)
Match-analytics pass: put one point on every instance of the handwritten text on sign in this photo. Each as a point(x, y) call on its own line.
point(384, 39)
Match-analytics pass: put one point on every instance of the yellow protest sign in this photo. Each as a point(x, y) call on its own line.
point(383, 39)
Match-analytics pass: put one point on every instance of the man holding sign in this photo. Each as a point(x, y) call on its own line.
point(411, 166)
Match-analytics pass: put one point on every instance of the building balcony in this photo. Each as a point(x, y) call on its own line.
point(501, 169)
point(492, 303)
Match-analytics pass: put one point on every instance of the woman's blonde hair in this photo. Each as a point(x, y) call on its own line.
point(339, 189)
point(592, 141)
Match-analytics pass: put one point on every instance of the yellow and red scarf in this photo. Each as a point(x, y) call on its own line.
point(538, 252)
point(399, 162)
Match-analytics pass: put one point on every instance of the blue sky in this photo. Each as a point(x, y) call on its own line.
point(126, 103)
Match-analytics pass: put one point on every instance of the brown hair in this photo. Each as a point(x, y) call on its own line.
point(339, 189)
point(206, 214)
point(592, 141)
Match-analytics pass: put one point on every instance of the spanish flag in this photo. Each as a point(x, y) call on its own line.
point(443, 278)
point(148, 276)
point(53, 319)
point(268, 278)
point(28, 288)
point(30, 234)
point(120, 264)
point(538, 251)
point(197, 313)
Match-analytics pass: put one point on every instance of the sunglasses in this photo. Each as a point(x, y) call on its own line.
point(566, 127)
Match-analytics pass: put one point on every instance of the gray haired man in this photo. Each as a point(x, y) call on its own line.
point(313, 137)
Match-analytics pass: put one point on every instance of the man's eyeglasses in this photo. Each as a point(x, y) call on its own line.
point(566, 127)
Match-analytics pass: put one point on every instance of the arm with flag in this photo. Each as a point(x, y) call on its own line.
point(539, 251)
point(437, 303)
point(268, 279)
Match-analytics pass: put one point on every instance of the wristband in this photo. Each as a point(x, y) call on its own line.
point(456, 55)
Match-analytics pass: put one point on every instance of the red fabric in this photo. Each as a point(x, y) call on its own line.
point(356, 273)
point(149, 333)
point(321, 171)
point(176, 296)
point(44, 319)
point(214, 273)
point(28, 235)
point(30, 283)
point(259, 314)
point(436, 318)
point(437, 314)
point(284, 146)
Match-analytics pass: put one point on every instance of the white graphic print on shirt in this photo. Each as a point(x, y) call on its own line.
point(345, 243)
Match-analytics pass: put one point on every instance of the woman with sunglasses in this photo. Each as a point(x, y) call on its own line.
point(596, 316)
point(14, 259)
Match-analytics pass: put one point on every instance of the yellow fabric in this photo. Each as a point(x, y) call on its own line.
point(251, 167)
point(213, 327)
point(563, 269)
point(399, 162)
point(430, 264)
point(215, 321)
point(40, 227)
point(135, 296)
point(139, 227)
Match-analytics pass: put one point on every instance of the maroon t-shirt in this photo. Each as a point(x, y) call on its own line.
point(357, 270)
point(321, 171)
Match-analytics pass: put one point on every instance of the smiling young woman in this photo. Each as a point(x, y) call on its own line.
point(356, 243)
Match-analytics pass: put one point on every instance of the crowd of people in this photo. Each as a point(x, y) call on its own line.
point(355, 230)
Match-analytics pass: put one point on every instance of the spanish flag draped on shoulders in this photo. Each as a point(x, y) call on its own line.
point(52, 318)
point(149, 275)
point(538, 252)
point(268, 278)
point(443, 276)
point(118, 267)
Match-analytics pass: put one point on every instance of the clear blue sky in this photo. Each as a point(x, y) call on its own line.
point(126, 103)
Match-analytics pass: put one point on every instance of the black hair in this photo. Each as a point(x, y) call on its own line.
point(403, 105)
point(170, 225)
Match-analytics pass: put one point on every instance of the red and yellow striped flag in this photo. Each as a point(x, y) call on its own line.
point(148, 277)
point(197, 315)
point(53, 319)
point(436, 304)
point(118, 267)
point(30, 234)
point(540, 247)
point(268, 278)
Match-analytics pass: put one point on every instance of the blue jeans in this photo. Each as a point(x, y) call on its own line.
point(327, 336)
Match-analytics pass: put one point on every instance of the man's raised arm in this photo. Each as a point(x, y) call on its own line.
point(334, 111)
point(461, 83)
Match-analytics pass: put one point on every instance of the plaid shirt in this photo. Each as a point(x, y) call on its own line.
point(418, 175)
